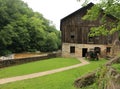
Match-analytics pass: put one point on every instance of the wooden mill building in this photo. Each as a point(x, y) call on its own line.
point(75, 30)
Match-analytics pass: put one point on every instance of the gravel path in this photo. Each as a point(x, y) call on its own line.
point(34, 75)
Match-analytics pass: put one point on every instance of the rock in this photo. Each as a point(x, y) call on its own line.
point(89, 79)
point(112, 61)
point(85, 80)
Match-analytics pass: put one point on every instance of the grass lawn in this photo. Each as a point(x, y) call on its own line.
point(117, 67)
point(61, 80)
point(37, 66)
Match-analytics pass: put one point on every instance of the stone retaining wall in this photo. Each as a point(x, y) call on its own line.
point(11, 62)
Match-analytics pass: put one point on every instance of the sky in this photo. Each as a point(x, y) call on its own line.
point(54, 10)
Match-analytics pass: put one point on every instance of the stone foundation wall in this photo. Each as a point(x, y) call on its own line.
point(78, 49)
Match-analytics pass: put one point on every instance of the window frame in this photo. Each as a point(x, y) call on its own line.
point(72, 49)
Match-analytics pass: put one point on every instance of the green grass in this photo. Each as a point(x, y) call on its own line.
point(117, 67)
point(38, 66)
point(62, 80)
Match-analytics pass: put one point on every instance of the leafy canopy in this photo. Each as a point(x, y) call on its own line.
point(109, 7)
point(23, 30)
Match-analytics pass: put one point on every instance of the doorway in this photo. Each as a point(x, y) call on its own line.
point(84, 51)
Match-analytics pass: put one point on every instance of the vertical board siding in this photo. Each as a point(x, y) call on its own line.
point(74, 23)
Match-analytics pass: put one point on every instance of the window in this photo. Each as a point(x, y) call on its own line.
point(108, 49)
point(72, 49)
point(72, 35)
point(97, 50)
point(90, 39)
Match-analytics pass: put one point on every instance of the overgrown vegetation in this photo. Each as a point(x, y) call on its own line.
point(117, 67)
point(38, 66)
point(23, 30)
point(102, 79)
point(62, 80)
point(106, 78)
point(110, 8)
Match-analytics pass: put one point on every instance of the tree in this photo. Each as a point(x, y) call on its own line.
point(23, 30)
point(6, 39)
point(109, 7)
point(51, 42)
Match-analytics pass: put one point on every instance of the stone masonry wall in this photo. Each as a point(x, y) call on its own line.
point(78, 49)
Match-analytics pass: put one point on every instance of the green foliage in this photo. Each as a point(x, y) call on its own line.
point(103, 79)
point(94, 10)
point(22, 30)
point(51, 41)
point(5, 52)
point(108, 7)
point(97, 31)
point(117, 67)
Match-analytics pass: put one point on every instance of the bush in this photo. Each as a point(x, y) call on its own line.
point(5, 52)
point(32, 50)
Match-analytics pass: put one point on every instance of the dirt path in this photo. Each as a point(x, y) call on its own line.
point(34, 75)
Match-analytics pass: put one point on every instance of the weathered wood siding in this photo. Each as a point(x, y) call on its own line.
point(76, 30)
